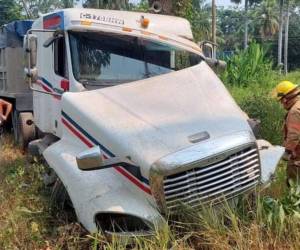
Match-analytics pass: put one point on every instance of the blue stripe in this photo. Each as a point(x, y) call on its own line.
point(45, 82)
point(92, 139)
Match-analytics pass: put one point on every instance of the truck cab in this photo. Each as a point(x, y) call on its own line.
point(141, 124)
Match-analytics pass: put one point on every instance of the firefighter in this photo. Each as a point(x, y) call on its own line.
point(5, 110)
point(288, 94)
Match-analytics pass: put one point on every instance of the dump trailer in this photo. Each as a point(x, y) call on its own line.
point(12, 80)
point(136, 124)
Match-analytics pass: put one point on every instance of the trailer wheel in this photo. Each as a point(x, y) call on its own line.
point(25, 129)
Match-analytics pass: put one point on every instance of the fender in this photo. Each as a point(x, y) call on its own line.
point(99, 191)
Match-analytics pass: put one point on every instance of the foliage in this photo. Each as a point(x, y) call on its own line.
point(247, 67)
point(9, 11)
point(34, 8)
point(230, 28)
point(266, 18)
point(258, 104)
point(106, 4)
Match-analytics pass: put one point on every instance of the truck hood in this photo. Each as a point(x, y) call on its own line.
point(151, 118)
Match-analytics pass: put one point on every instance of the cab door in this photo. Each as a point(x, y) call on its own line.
point(60, 79)
point(53, 82)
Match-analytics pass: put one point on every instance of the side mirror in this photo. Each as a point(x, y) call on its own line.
point(30, 47)
point(90, 159)
point(33, 49)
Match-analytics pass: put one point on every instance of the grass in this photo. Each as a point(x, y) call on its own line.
point(26, 221)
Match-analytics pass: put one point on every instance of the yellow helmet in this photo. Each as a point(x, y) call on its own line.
point(282, 89)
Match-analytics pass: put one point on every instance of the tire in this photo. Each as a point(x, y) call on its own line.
point(14, 119)
point(60, 198)
point(25, 129)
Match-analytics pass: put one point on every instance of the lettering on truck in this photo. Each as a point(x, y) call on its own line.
point(105, 19)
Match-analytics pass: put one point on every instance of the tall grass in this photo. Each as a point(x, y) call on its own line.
point(250, 66)
point(250, 79)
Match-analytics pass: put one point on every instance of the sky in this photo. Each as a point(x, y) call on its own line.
point(219, 3)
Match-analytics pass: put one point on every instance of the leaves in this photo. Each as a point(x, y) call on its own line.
point(34, 8)
point(248, 67)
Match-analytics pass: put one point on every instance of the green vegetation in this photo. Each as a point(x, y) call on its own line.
point(250, 79)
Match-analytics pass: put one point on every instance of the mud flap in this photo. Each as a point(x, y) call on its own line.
point(269, 157)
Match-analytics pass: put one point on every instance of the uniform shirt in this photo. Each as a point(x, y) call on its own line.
point(292, 130)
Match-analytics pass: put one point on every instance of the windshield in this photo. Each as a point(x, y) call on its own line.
point(108, 59)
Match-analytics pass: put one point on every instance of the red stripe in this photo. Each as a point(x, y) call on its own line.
point(75, 132)
point(43, 86)
point(52, 22)
point(122, 171)
point(58, 97)
point(119, 169)
point(132, 179)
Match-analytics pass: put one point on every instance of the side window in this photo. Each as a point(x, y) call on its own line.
point(60, 58)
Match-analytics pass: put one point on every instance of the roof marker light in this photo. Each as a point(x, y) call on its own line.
point(127, 29)
point(145, 22)
point(87, 23)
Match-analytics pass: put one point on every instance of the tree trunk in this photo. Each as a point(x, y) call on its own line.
point(286, 37)
point(279, 60)
point(213, 25)
point(246, 25)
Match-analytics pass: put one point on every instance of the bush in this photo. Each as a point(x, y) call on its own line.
point(247, 67)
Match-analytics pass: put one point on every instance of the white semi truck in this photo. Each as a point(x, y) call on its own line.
point(136, 123)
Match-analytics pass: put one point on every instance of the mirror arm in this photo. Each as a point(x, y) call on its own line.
point(52, 39)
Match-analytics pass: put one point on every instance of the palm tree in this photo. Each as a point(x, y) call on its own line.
point(246, 21)
point(106, 4)
point(266, 18)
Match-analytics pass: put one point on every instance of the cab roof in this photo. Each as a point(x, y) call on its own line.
point(67, 18)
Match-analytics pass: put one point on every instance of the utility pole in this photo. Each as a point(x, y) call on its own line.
point(213, 26)
point(286, 37)
point(279, 59)
point(246, 25)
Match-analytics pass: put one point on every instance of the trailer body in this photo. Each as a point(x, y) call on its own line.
point(13, 86)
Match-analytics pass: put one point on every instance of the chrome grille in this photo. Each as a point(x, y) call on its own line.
point(227, 178)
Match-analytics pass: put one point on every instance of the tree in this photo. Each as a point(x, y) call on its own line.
point(248, 3)
point(266, 19)
point(33, 8)
point(106, 4)
point(294, 41)
point(9, 11)
point(231, 28)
